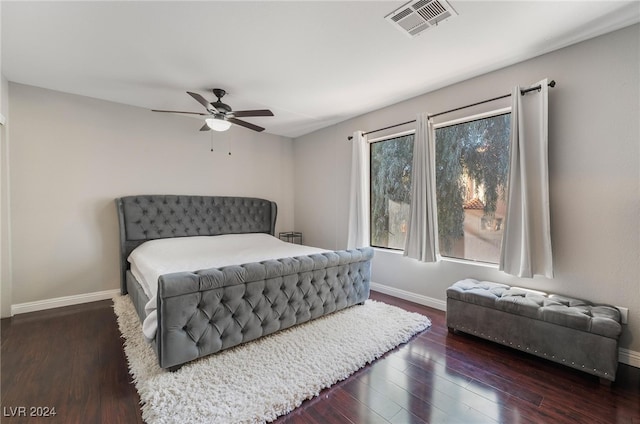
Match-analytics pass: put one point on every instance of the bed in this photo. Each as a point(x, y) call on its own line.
point(198, 312)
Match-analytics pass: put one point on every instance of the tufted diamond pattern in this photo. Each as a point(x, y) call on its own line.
point(567, 312)
point(214, 309)
point(147, 217)
point(151, 217)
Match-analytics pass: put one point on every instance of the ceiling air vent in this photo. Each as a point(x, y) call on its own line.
point(419, 15)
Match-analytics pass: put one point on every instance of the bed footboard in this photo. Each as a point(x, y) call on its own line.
point(200, 313)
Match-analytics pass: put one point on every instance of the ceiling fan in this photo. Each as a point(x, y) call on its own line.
point(221, 116)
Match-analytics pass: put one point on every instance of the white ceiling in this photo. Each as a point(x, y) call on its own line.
point(312, 63)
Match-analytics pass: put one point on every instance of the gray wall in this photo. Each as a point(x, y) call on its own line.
point(72, 155)
point(5, 282)
point(594, 164)
point(5, 251)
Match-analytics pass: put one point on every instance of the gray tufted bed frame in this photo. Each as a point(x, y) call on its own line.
point(203, 312)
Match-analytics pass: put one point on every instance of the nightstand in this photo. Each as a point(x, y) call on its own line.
point(291, 237)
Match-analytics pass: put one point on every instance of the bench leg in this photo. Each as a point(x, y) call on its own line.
point(604, 382)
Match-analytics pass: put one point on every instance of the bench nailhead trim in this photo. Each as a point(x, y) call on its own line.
point(470, 331)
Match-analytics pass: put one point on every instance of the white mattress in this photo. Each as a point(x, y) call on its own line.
point(154, 258)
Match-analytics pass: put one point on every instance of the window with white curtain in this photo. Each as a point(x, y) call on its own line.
point(472, 160)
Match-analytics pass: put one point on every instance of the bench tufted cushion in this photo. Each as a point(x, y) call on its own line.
point(578, 314)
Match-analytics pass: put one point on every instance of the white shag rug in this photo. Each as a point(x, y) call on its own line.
point(264, 379)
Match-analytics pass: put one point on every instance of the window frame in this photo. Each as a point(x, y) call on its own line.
point(464, 119)
point(370, 188)
point(456, 121)
point(475, 117)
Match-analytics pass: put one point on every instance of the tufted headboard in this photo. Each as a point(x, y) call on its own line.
point(148, 217)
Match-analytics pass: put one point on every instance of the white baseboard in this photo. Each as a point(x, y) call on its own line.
point(625, 356)
point(59, 302)
point(629, 357)
point(438, 304)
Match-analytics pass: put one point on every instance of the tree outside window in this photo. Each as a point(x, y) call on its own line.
point(390, 183)
point(472, 163)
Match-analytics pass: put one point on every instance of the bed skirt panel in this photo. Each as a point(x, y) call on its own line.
point(137, 295)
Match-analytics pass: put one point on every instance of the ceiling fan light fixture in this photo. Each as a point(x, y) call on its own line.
point(218, 124)
point(220, 115)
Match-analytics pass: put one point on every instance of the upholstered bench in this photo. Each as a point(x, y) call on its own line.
point(572, 332)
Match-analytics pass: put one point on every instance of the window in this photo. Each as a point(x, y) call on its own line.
point(390, 184)
point(472, 161)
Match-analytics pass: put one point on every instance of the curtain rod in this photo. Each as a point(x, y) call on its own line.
point(552, 84)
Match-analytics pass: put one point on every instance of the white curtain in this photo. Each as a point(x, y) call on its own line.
point(422, 240)
point(526, 241)
point(359, 198)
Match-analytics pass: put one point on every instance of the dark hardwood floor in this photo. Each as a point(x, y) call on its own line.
point(71, 359)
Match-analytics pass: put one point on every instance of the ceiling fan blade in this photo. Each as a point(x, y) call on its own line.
point(245, 124)
point(245, 113)
point(179, 111)
point(202, 101)
point(205, 127)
